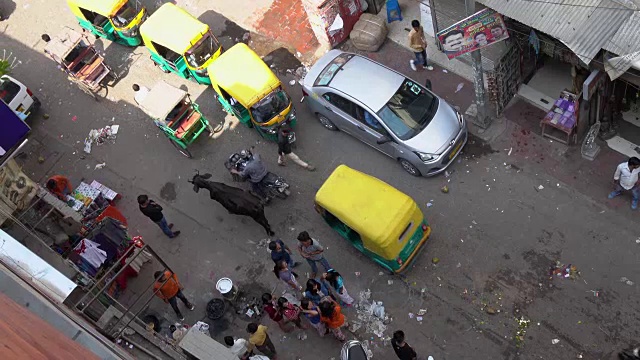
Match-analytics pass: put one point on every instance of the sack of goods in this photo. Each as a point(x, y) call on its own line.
point(369, 32)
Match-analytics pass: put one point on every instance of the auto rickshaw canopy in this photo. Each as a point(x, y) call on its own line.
point(60, 46)
point(106, 8)
point(173, 28)
point(371, 207)
point(161, 99)
point(243, 75)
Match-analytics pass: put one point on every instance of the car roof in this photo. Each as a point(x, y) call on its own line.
point(367, 81)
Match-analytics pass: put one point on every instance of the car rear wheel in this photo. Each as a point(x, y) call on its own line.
point(408, 167)
point(327, 123)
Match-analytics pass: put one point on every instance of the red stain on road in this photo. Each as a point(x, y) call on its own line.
point(286, 21)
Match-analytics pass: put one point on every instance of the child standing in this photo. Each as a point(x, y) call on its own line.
point(335, 281)
point(331, 315)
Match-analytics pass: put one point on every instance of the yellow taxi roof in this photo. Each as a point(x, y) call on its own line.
point(366, 204)
point(173, 28)
point(102, 7)
point(243, 74)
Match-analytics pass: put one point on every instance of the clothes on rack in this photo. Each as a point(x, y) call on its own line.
point(91, 253)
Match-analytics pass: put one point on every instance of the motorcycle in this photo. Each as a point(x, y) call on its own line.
point(274, 185)
point(353, 350)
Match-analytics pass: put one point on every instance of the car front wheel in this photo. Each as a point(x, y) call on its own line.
point(327, 123)
point(408, 167)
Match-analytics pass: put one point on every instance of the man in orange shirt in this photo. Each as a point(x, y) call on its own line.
point(59, 186)
point(168, 288)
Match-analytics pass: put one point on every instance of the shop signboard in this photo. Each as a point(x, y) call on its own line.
point(475, 32)
point(591, 85)
point(13, 132)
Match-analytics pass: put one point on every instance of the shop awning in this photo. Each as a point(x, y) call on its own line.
point(584, 26)
point(626, 44)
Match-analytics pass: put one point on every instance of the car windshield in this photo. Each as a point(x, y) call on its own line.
point(409, 111)
point(331, 69)
point(8, 90)
point(126, 14)
point(198, 55)
point(272, 105)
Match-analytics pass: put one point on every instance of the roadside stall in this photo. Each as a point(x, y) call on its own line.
point(78, 58)
point(248, 89)
point(176, 115)
point(114, 20)
point(180, 43)
point(561, 121)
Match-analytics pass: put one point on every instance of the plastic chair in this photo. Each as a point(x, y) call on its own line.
point(393, 11)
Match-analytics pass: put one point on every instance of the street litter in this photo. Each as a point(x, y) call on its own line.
point(445, 189)
point(357, 273)
point(292, 82)
point(563, 271)
point(638, 240)
point(422, 312)
point(444, 71)
point(419, 318)
point(626, 281)
point(429, 204)
point(371, 315)
point(555, 341)
point(100, 136)
point(510, 150)
point(435, 260)
point(460, 86)
point(596, 293)
point(381, 273)
point(540, 187)
point(389, 282)
point(302, 336)
point(411, 315)
point(100, 166)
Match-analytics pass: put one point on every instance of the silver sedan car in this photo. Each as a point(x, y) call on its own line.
point(385, 110)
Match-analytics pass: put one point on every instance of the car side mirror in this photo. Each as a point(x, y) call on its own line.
point(384, 140)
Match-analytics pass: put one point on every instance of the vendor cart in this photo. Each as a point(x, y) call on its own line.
point(176, 115)
point(78, 58)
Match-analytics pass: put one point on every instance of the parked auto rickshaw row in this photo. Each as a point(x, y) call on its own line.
point(179, 43)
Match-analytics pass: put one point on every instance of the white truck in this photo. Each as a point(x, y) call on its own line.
point(18, 97)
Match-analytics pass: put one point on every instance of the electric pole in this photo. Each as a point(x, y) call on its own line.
point(482, 118)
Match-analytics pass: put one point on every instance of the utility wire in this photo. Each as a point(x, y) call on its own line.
point(579, 5)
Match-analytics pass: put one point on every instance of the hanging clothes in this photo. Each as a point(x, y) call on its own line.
point(91, 253)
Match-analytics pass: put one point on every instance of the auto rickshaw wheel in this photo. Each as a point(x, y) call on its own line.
point(182, 150)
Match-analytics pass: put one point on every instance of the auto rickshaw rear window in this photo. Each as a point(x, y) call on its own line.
point(327, 74)
point(126, 14)
point(404, 232)
point(202, 51)
point(271, 106)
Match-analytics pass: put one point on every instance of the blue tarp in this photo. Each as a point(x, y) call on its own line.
point(13, 131)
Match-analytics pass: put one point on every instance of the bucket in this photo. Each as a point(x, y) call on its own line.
point(226, 288)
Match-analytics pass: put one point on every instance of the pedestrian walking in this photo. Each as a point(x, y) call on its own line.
point(270, 307)
point(316, 291)
point(418, 43)
point(169, 289)
point(290, 312)
point(336, 282)
point(260, 340)
point(626, 179)
point(284, 150)
point(154, 212)
point(313, 252)
point(239, 347)
point(312, 312)
point(400, 346)
point(280, 251)
point(282, 271)
point(140, 93)
point(331, 315)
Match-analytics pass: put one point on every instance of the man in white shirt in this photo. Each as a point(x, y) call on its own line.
point(239, 347)
point(626, 179)
point(141, 93)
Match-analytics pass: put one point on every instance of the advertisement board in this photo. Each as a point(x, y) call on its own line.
point(13, 132)
point(475, 32)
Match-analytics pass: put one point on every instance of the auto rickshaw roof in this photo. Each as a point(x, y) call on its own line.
point(161, 99)
point(243, 74)
point(60, 46)
point(103, 7)
point(366, 204)
point(173, 28)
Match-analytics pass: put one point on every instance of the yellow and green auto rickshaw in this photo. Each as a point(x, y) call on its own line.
point(180, 43)
point(380, 221)
point(248, 89)
point(115, 20)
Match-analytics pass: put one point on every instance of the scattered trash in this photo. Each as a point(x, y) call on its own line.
point(389, 282)
point(579, 356)
point(357, 273)
point(445, 189)
point(430, 358)
point(596, 293)
point(638, 240)
point(45, 116)
point(100, 136)
point(419, 318)
point(459, 265)
point(444, 71)
point(370, 315)
point(411, 315)
point(292, 82)
point(74, 118)
point(555, 341)
point(100, 166)
point(474, 222)
point(510, 150)
point(563, 271)
point(460, 86)
point(523, 324)
point(40, 159)
point(429, 204)
point(422, 312)
point(540, 187)
point(381, 273)
point(489, 310)
point(435, 260)
point(302, 336)
point(626, 281)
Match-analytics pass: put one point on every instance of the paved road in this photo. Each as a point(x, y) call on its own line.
point(495, 234)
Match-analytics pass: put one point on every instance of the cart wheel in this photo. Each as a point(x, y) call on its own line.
point(182, 150)
point(86, 90)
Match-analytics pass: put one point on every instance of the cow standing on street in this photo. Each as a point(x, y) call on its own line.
point(235, 200)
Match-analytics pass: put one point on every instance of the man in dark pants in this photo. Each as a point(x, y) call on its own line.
point(280, 251)
point(168, 288)
point(154, 212)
